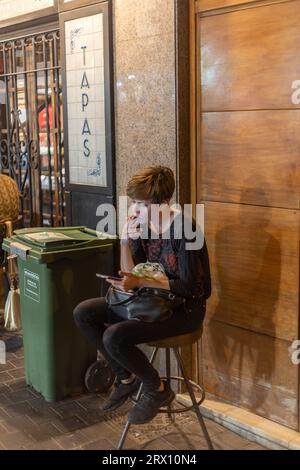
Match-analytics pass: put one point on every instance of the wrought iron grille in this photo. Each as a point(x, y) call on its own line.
point(31, 134)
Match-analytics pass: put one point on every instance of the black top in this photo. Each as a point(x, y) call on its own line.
point(188, 270)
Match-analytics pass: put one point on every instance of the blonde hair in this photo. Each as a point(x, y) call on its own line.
point(153, 183)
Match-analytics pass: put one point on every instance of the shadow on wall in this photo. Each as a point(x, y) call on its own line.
point(248, 269)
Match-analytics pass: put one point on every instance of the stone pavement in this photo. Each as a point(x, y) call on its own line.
point(28, 422)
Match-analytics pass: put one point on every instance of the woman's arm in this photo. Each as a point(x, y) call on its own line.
point(127, 262)
point(160, 283)
point(191, 275)
point(130, 281)
point(132, 251)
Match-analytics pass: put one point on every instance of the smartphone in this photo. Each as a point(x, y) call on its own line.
point(106, 276)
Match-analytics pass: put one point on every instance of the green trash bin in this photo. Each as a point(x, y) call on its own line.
point(57, 268)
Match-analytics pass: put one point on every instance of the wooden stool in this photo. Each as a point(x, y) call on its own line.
point(175, 343)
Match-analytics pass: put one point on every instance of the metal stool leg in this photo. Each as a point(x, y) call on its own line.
point(138, 396)
point(193, 398)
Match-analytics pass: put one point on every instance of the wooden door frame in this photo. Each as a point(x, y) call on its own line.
point(193, 102)
point(195, 350)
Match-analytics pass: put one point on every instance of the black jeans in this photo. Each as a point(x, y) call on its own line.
point(117, 339)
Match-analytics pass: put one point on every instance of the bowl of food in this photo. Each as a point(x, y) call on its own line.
point(149, 270)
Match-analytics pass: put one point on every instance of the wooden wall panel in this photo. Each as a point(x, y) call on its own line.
point(248, 176)
point(208, 5)
point(254, 254)
point(251, 157)
point(252, 371)
point(248, 58)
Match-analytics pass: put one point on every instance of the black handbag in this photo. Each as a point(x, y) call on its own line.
point(146, 304)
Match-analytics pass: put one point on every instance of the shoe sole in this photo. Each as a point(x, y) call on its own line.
point(120, 402)
point(116, 405)
point(167, 402)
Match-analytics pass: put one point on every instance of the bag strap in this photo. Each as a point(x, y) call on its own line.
point(131, 297)
point(155, 292)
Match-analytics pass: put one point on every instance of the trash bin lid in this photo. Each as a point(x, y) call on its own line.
point(41, 242)
point(48, 239)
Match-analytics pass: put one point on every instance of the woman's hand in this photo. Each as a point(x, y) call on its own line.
point(131, 229)
point(128, 282)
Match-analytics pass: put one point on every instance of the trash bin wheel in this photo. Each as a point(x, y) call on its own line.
point(99, 377)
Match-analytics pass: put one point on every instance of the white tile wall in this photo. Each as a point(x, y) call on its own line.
point(12, 8)
point(87, 32)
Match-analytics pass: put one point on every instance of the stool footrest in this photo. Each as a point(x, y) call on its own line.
point(183, 408)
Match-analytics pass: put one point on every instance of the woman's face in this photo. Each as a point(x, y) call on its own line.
point(142, 210)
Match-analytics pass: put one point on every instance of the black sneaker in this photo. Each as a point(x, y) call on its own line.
point(148, 405)
point(120, 393)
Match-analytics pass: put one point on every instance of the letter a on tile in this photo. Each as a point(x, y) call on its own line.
point(86, 128)
point(84, 81)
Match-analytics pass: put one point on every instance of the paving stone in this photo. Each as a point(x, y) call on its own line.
point(4, 377)
point(18, 409)
point(104, 430)
point(3, 414)
point(35, 393)
point(185, 440)
point(7, 427)
point(157, 444)
point(6, 367)
point(99, 431)
point(4, 388)
point(17, 373)
point(23, 394)
point(15, 441)
point(19, 353)
point(67, 409)
point(16, 424)
point(213, 428)
point(4, 400)
point(70, 424)
point(71, 440)
point(43, 432)
point(228, 440)
point(90, 417)
point(18, 384)
point(17, 362)
point(49, 444)
point(41, 412)
point(100, 444)
point(90, 402)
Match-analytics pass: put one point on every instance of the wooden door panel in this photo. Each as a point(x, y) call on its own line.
point(251, 370)
point(207, 5)
point(254, 255)
point(248, 176)
point(251, 157)
point(248, 58)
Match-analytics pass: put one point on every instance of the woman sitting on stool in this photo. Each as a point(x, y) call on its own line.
point(186, 274)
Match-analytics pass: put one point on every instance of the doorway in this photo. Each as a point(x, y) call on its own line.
point(31, 129)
